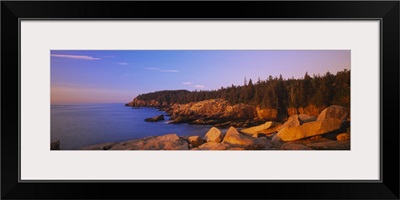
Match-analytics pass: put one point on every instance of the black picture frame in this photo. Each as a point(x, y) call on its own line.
point(386, 11)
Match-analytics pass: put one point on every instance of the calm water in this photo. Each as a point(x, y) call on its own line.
point(82, 125)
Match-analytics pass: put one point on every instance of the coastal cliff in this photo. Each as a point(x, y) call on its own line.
point(218, 112)
point(221, 113)
point(147, 103)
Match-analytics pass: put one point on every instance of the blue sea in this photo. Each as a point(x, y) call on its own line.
point(81, 125)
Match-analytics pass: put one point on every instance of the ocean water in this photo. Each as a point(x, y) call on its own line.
point(77, 126)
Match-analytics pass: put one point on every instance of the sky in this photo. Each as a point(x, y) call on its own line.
point(114, 76)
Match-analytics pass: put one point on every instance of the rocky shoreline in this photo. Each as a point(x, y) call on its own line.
point(216, 112)
point(329, 131)
point(220, 113)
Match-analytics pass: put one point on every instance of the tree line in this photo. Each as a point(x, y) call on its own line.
point(273, 92)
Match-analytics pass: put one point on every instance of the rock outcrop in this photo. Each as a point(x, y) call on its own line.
point(309, 129)
point(234, 138)
point(343, 136)
point(155, 119)
point(310, 110)
point(218, 112)
point(214, 135)
point(164, 142)
point(141, 103)
point(260, 128)
point(212, 146)
point(195, 141)
point(214, 111)
point(297, 120)
point(334, 111)
point(303, 126)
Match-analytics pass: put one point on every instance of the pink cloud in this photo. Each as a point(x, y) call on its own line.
point(80, 57)
point(199, 86)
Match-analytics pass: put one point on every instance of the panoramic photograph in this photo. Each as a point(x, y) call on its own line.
point(281, 100)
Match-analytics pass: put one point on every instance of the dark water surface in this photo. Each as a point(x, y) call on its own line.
point(82, 125)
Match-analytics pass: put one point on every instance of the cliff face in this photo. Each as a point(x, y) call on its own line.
point(221, 110)
point(142, 103)
point(218, 112)
point(214, 108)
point(309, 110)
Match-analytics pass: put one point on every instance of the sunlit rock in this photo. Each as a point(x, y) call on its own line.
point(195, 141)
point(297, 120)
point(334, 111)
point(155, 119)
point(214, 135)
point(234, 138)
point(213, 146)
point(256, 129)
point(309, 129)
point(343, 136)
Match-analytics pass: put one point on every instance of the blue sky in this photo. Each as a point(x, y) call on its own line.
point(111, 76)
